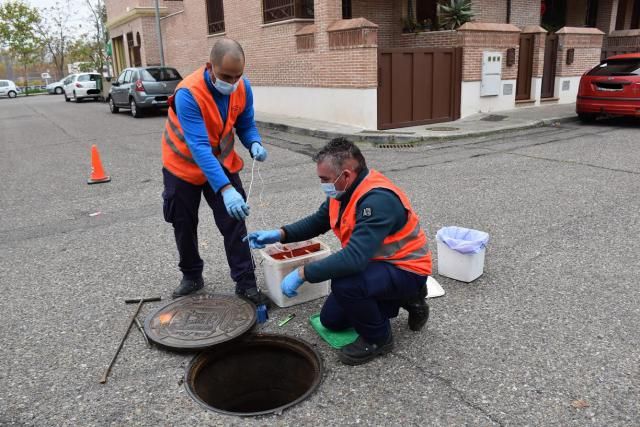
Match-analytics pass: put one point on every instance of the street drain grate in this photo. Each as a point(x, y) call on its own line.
point(442, 129)
point(493, 118)
point(395, 146)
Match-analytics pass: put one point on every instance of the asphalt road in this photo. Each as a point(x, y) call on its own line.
point(549, 335)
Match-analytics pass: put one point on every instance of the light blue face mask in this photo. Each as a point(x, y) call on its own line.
point(223, 87)
point(329, 188)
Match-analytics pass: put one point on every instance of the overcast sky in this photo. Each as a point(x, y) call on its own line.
point(79, 7)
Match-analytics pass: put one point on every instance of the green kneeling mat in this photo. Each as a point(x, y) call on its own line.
point(336, 339)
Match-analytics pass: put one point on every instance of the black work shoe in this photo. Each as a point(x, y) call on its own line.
point(360, 351)
point(418, 310)
point(188, 286)
point(254, 295)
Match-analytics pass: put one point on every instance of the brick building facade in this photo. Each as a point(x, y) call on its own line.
point(321, 58)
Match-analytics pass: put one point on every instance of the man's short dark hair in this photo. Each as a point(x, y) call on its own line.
point(338, 151)
point(225, 47)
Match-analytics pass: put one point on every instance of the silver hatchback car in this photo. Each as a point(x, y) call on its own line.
point(143, 88)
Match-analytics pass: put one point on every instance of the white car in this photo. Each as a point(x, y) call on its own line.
point(81, 86)
point(8, 88)
point(57, 87)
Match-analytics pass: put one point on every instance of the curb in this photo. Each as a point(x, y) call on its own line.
point(400, 139)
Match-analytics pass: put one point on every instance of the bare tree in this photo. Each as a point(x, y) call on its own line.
point(56, 33)
point(101, 36)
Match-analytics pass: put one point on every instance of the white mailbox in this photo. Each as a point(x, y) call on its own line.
point(491, 73)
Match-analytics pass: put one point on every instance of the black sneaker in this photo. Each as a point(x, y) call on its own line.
point(360, 351)
point(418, 310)
point(254, 295)
point(188, 286)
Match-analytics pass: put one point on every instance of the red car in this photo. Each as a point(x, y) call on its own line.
point(613, 87)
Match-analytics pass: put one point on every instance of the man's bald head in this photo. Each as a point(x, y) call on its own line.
point(224, 47)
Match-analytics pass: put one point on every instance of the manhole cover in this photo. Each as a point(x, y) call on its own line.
point(493, 118)
point(200, 321)
point(442, 129)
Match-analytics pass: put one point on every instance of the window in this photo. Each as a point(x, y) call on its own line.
point(4, 84)
point(127, 76)
point(280, 10)
point(592, 13)
point(635, 15)
point(621, 14)
point(426, 13)
point(215, 16)
point(617, 67)
point(121, 78)
point(160, 74)
point(347, 11)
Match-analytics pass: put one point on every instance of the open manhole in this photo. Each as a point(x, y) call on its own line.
point(254, 375)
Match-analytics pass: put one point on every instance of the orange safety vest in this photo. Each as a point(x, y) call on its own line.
point(176, 157)
point(407, 249)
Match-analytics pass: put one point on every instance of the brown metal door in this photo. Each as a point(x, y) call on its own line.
point(418, 86)
point(549, 73)
point(525, 67)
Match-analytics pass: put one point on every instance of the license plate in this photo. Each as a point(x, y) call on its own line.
point(607, 89)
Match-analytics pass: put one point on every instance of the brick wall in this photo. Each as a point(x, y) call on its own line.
point(272, 56)
point(380, 12)
point(490, 10)
point(476, 38)
point(607, 11)
point(587, 43)
point(539, 41)
point(524, 12)
point(623, 41)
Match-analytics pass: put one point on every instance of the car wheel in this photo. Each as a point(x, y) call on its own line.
point(58, 91)
point(112, 106)
point(66, 98)
point(135, 111)
point(587, 118)
point(12, 94)
point(75, 98)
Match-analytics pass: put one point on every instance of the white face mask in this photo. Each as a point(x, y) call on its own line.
point(223, 87)
point(329, 188)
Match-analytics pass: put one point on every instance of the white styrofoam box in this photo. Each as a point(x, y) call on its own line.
point(462, 267)
point(275, 270)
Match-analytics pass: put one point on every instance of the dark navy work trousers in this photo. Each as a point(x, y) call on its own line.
point(366, 301)
point(181, 203)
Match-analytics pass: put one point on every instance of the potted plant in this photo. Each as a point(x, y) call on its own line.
point(427, 25)
point(454, 13)
point(409, 25)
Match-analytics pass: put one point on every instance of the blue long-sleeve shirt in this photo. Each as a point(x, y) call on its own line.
point(196, 135)
point(379, 213)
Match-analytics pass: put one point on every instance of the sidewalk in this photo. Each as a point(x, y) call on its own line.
point(475, 125)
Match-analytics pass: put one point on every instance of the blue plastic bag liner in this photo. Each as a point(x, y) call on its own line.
point(463, 240)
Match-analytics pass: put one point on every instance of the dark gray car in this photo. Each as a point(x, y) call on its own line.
point(143, 88)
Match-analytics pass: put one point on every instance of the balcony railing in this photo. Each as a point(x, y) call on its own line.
point(280, 10)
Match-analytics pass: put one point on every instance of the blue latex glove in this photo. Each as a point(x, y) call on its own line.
point(258, 239)
point(258, 152)
point(235, 204)
point(290, 283)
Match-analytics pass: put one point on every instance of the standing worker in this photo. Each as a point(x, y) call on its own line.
point(384, 261)
point(199, 158)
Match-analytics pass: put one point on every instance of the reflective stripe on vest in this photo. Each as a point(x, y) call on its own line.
point(176, 156)
point(406, 249)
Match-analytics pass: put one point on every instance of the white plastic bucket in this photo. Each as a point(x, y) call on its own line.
point(462, 267)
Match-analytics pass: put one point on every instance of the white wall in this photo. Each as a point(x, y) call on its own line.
point(472, 102)
point(536, 89)
point(567, 96)
point(355, 107)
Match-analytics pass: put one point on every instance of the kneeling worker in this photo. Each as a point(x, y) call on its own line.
point(384, 261)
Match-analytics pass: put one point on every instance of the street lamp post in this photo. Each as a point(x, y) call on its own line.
point(159, 31)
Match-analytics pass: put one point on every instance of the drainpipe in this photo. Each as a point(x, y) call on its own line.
point(159, 31)
point(508, 11)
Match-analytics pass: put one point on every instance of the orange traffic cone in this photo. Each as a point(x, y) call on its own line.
point(97, 172)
